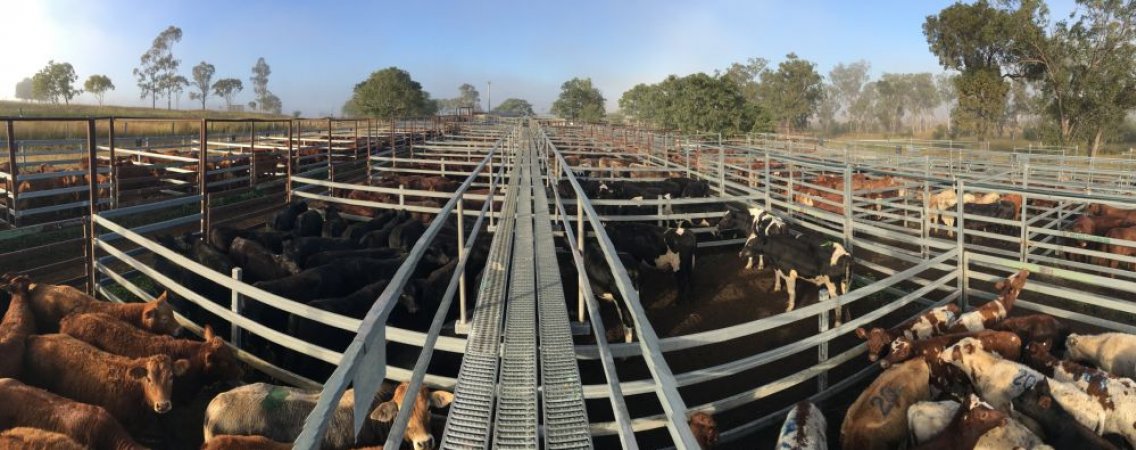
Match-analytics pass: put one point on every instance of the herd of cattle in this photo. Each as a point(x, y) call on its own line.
point(984, 380)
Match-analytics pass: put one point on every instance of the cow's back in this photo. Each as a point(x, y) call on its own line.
point(25, 438)
point(878, 417)
point(50, 303)
point(275, 412)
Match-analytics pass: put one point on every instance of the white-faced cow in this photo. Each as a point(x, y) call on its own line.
point(278, 413)
point(934, 322)
point(1113, 352)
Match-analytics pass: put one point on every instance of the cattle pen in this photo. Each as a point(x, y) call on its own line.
point(522, 343)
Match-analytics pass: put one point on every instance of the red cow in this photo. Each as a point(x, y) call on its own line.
point(89, 425)
point(130, 389)
point(209, 361)
point(36, 439)
point(973, 419)
point(1127, 234)
point(930, 323)
point(51, 303)
point(17, 325)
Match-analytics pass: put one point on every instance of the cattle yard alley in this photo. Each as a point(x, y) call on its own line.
point(522, 283)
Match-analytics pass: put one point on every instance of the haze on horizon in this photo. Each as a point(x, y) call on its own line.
point(318, 52)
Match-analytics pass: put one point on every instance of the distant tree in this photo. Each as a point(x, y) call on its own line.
point(296, 114)
point(252, 104)
point(1086, 65)
point(639, 102)
point(846, 84)
point(791, 93)
point(54, 82)
point(97, 85)
point(514, 107)
point(177, 85)
point(202, 81)
point(975, 39)
point(259, 79)
point(24, 89)
point(158, 67)
point(579, 100)
point(389, 93)
point(271, 104)
point(227, 88)
point(745, 76)
point(468, 96)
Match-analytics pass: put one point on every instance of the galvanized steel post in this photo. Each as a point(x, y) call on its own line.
point(113, 168)
point(235, 305)
point(13, 174)
point(92, 207)
point(203, 174)
point(960, 244)
point(288, 167)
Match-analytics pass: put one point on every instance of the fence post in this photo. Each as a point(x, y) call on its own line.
point(202, 175)
point(1023, 226)
point(330, 158)
point(94, 173)
point(822, 349)
point(92, 196)
point(461, 255)
point(849, 218)
point(580, 246)
point(288, 169)
point(767, 181)
point(960, 244)
point(925, 220)
point(721, 168)
point(14, 173)
point(236, 304)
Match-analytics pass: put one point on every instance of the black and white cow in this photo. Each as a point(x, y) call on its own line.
point(826, 264)
point(603, 284)
point(757, 223)
point(662, 248)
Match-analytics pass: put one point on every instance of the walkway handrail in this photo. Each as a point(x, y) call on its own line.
point(666, 389)
point(369, 344)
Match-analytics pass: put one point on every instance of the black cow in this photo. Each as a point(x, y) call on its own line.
point(691, 188)
point(590, 187)
point(356, 231)
point(308, 224)
point(1062, 430)
point(603, 285)
point(998, 210)
point(826, 264)
point(301, 248)
point(333, 223)
point(662, 248)
point(221, 237)
point(286, 220)
point(258, 263)
point(322, 258)
point(405, 235)
point(356, 305)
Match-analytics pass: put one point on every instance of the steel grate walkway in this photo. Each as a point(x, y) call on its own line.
point(497, 384)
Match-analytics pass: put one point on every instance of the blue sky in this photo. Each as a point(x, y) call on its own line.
point(319, 50)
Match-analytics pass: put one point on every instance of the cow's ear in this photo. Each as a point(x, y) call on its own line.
point(137, 372)
point(862, 333)
point(440, 399)
point(1071, 341)
point(209, 333)
point(385, 412)
point(1000, 285)
point(180, 367)
point(162, 298)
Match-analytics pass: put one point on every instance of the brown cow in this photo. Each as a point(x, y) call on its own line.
point(973, 419)
point(1101, 209)
point(130, 389)
point(235, 442)
point(1097, 226)
point(51, 303)
point(1016, 199)
point(878, 418)
point(17, 325)
point(931, 323)
point(89, 425)
point(1004, 343)
point(1127, 234)
point(24, 438)
point(705, 429)
point(1040, 328)
point(994, 311)
point(209, 361)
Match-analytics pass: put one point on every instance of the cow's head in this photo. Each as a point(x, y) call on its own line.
point(418, 428)
point(1012, 285)
point(961, 349)
point(901, 349)
point(158, 316)
point(877, 338)
point(734, 219)
point(1036, 399)
point(219, 362)
point(1095, 209)
point(978, 417)
point(411, 293)
point(705, 429)
point(1038, 357)
point(156, 375)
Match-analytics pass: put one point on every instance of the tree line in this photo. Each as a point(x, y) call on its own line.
point(157, 77)
point(392, 92)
